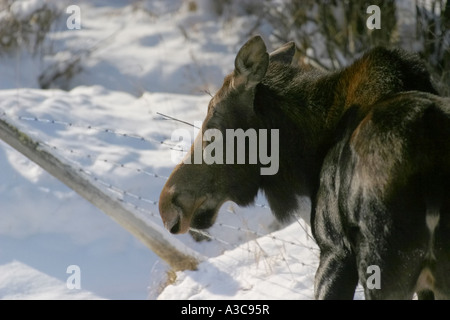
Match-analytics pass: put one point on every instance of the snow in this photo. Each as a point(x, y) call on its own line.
point(137, 60)
point(281, 266)
point(20, 281)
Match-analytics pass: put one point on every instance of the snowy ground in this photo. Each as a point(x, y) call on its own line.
point(143, 58)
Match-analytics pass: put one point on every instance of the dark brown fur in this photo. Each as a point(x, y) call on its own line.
point(359, 142)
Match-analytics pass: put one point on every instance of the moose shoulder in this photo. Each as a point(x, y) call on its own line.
point(360, 142)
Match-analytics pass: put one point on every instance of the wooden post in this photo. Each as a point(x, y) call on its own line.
point(176, 254)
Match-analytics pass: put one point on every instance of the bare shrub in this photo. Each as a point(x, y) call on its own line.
point(25, 24)
point(433, 31)
point(334, 33)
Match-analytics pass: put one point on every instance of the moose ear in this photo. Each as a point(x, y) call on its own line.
point(284, 54)
point(251, 63)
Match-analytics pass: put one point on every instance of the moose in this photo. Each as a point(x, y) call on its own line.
point(369, 144)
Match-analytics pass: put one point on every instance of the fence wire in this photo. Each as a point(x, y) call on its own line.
point(138, 170)
point(124, 196)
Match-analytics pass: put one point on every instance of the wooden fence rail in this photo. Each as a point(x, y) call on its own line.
point(175, 253)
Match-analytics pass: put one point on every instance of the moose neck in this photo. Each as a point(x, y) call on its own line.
point(307, 109)
point(313, 110)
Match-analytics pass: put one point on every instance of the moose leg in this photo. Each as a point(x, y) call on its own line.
point(392, 279)
point(337, 276)
point(388, 260)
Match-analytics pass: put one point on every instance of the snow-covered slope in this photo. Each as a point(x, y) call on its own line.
point(20, 281)
point(279, 266)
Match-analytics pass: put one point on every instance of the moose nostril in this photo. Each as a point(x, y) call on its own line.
point(175, 210)
point(175, 226)
point(169, 210)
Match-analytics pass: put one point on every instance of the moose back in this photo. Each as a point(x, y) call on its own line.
point(369, 144)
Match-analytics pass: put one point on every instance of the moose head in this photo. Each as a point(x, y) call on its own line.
point(234, 150)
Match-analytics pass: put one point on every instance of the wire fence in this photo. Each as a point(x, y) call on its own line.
point(148, 207)
point(124, 193)
point(139, 170)
point(99, 129)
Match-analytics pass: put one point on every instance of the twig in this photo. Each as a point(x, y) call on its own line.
point(175, 119)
